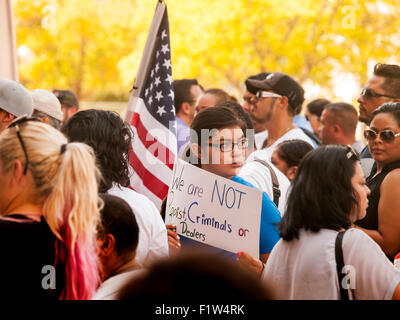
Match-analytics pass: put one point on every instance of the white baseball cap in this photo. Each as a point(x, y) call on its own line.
point(45, 101)
point(15, 99)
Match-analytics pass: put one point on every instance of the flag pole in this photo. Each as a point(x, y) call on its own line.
point(147, 57)
point(8, 57)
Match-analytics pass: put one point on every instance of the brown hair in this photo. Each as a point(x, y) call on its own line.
point(391, 73)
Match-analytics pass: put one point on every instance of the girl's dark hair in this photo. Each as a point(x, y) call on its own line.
point(240, 113)
point(389, 107)
point(110, 139)
point(293, 151)
point(215, 118)
point(321, 195)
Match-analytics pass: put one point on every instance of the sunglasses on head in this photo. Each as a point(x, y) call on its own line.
point(387, 136)
point(15, 124)
point(369, 94)
point(352, 154)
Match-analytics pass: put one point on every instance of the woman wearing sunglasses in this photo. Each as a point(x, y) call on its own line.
point(49, 211)
point(382, 222)
point(224, 154)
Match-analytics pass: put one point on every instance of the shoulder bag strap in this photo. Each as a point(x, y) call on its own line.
point(275, 184)
point(344, 294)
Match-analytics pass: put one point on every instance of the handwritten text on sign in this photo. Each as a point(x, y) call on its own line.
point(214, 210)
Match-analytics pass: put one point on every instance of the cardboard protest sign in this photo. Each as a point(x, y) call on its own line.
point(213, 210)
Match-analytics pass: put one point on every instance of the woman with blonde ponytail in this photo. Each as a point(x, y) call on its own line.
point(49, 210)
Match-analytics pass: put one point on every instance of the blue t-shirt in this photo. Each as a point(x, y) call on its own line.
point(269, 234)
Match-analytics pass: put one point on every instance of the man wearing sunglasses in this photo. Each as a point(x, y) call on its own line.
point(277, 100)
point(383, 86)
point(15, 101)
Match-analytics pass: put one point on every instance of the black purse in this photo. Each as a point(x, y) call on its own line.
point(344, 293)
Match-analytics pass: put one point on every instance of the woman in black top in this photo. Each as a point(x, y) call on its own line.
point(382, 222)
point(49, 210)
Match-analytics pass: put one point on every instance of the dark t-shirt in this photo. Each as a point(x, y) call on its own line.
point(27, 250)
point(370, 221)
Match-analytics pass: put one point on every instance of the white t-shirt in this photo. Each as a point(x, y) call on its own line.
point(305, 268)
point(259, 138)
point(153, 239)
point(266, 153)
point(260, 177)
point(110, 288)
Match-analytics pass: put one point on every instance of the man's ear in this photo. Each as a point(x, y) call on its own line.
point(284, 102)
point(185, 108)
point(107, 245)
point(291, 172)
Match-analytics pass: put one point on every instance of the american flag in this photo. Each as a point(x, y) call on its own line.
point(154, 146)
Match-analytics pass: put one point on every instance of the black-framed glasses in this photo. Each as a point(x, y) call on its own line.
point(15, 124)
point(386, 136)
point(228, 146)
point(352, 154)
point(369, 94)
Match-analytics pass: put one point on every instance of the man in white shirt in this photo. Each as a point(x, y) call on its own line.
point(117, 239)
point(278, 99)
point(339, 124)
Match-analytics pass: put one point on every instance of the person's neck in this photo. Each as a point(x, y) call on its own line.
point(30, 210)
point(278, 127)
point(260, 127)
point(122, 266)
point(345, 141)
point(184, 118)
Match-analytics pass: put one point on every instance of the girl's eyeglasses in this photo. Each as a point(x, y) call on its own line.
point(228, 146)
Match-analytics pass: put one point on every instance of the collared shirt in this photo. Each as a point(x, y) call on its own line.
point(182, 134)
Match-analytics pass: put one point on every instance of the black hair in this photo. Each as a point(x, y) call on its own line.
point(241, 114)
point(317, 106)
point(258, 76)
point(391, 73)
point(110, 139)
point(345, 115)
point(182, 92)
point(321, 194)
point(293, 151)
point(118, 219)
point(210, 274)
point(218, 117)
point(389, 107)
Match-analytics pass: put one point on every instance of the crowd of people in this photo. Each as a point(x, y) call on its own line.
point(72, 229)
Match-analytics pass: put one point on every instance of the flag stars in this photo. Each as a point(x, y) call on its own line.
point(171, 94)
point(159, 96)
point(163, 34)
point(167, 63)
point(157, 81)
point(169, 79)
point(164, 49)
point(150, 100)
point(161, 110)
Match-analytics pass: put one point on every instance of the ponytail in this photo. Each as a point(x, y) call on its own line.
point(66, 185)
point(71, 211)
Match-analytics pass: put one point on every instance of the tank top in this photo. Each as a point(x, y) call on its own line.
point(370, 221)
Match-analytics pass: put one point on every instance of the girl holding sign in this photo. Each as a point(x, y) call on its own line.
point(222, 151)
